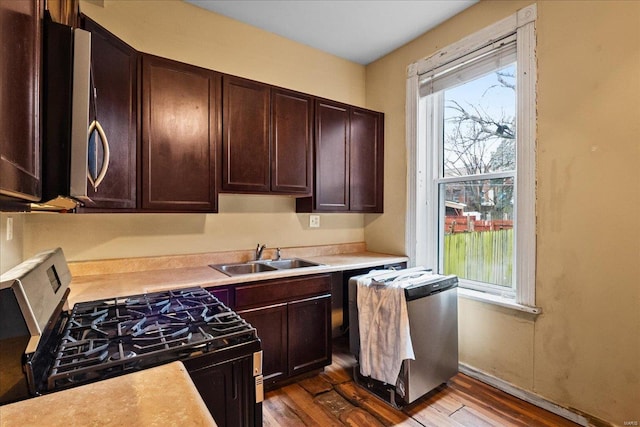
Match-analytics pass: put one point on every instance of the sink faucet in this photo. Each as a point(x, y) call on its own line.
point(278, 255)
point(259, 250)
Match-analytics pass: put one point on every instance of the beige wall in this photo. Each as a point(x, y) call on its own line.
point(177, 30)
point(243, 222)
point(583, 351)
point(11, 250)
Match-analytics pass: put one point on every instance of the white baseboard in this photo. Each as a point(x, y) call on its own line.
point(525, 395)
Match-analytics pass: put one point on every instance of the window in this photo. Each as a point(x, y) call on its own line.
point(470, 114)
point(471, 139)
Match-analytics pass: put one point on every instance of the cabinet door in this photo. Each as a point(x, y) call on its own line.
point(179, 129)
point(225, 393)
point(291, 135)
point(366, 163)
point(332, 157)
point(245, 130)
point(114, 66)
point(309, 331)
point(271, 324)
point(20, 62)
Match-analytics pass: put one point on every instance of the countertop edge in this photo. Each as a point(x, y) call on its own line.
point(101, 286)
point(134, 399)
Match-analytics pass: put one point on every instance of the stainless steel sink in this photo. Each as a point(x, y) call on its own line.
point(262, 266)
point(285, 264)
point(246, 268)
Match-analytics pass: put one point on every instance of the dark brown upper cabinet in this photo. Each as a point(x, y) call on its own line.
point(266, 138)
point(245, 130)
point(349, 162)
point(366, 161)
point(332, 157)
point(114, 66)
point(20, 88)
point(291, 142)
point(180, 131)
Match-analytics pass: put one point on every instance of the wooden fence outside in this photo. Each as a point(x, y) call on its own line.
point(463, 224)
point(485, 256)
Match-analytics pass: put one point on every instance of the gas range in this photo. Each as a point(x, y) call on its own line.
point(112, 336)
point(57, 349)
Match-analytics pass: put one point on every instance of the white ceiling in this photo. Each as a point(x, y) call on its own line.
point(358, 30)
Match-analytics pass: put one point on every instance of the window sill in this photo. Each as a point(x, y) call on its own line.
point(497, 300)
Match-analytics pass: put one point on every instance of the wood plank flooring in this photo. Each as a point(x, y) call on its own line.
point(333, 399)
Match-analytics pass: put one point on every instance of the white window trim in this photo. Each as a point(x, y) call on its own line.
point(420, 218)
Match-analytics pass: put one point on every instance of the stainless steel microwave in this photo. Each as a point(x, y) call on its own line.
point(67, 88)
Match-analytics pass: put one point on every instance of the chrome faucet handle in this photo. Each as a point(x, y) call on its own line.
point(278, 255)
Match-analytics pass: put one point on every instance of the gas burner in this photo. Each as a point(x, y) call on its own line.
point(122, 355)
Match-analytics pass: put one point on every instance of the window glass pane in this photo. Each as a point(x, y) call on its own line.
point(478, 230)
point(480, 125)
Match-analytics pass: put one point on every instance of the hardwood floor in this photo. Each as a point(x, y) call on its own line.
point(333, 399)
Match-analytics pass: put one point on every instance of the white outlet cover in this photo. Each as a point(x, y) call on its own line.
point(314, 221)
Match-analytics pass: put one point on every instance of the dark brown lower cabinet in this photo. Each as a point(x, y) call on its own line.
point(309, 336)
point(271, 324)
point(229, 399)
point(293, 320)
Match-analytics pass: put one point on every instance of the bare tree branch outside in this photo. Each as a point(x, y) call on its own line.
point(479, 138)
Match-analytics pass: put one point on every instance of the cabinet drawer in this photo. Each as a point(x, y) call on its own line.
point(281, 290)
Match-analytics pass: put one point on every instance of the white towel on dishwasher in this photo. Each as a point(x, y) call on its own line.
point(383, 321)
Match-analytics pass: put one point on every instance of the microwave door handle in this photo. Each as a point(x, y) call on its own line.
point(95, 125)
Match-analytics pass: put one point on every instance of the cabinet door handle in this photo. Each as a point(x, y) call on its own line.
point(97, 127)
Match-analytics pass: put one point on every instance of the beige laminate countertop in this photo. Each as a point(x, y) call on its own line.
point(101, 286)
point(160, 396)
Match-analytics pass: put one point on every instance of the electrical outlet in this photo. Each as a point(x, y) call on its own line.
point(314, 221)
point(9, 229)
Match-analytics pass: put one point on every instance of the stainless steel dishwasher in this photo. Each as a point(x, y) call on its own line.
point(432, 306)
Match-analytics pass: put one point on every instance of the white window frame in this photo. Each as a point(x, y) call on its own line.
point(421, 240)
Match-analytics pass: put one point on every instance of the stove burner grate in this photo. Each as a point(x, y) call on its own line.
point(109, 337)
